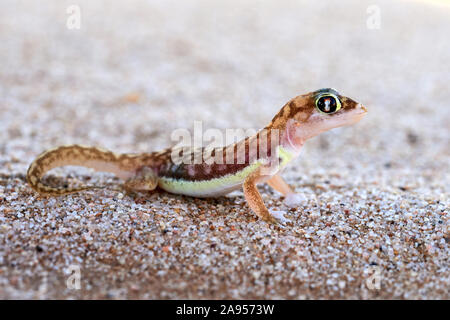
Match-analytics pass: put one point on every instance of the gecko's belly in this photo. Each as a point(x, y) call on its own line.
point(207, 188)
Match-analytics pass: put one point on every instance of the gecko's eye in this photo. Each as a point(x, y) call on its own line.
point(328, 104)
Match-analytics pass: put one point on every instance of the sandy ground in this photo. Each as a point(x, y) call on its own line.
point(137, 70)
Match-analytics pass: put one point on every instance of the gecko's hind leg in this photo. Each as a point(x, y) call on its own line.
point(144, 180)
point(291, 198)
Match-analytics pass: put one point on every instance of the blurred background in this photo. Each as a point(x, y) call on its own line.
point(137, 70)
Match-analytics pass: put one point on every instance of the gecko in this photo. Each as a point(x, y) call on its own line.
point(257, 159)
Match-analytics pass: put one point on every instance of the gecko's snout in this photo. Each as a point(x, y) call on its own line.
point(362, 110)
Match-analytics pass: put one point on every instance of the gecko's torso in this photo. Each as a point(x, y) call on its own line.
point(214, 179)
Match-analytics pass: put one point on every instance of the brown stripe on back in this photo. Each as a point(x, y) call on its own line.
point(220, 167)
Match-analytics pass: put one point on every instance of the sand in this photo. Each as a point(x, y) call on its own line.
point(375, 225)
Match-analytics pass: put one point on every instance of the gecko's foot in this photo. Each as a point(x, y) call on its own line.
point(295, 199)
point(128, 191)
point(271, 220)
point(279, 217)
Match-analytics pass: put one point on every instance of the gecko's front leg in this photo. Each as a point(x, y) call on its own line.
point(254, 199)
point(291, 198)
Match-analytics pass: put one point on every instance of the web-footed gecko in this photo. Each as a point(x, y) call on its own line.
point(256, 159)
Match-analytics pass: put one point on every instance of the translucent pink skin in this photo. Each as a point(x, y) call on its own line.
point(297, 133)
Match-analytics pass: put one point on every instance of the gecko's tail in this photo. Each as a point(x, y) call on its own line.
point(124, 166)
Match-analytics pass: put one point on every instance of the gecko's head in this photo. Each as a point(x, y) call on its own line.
point(322, 110)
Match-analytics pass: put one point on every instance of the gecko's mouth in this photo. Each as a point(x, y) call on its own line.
point(347, 118)
point(352, 116)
